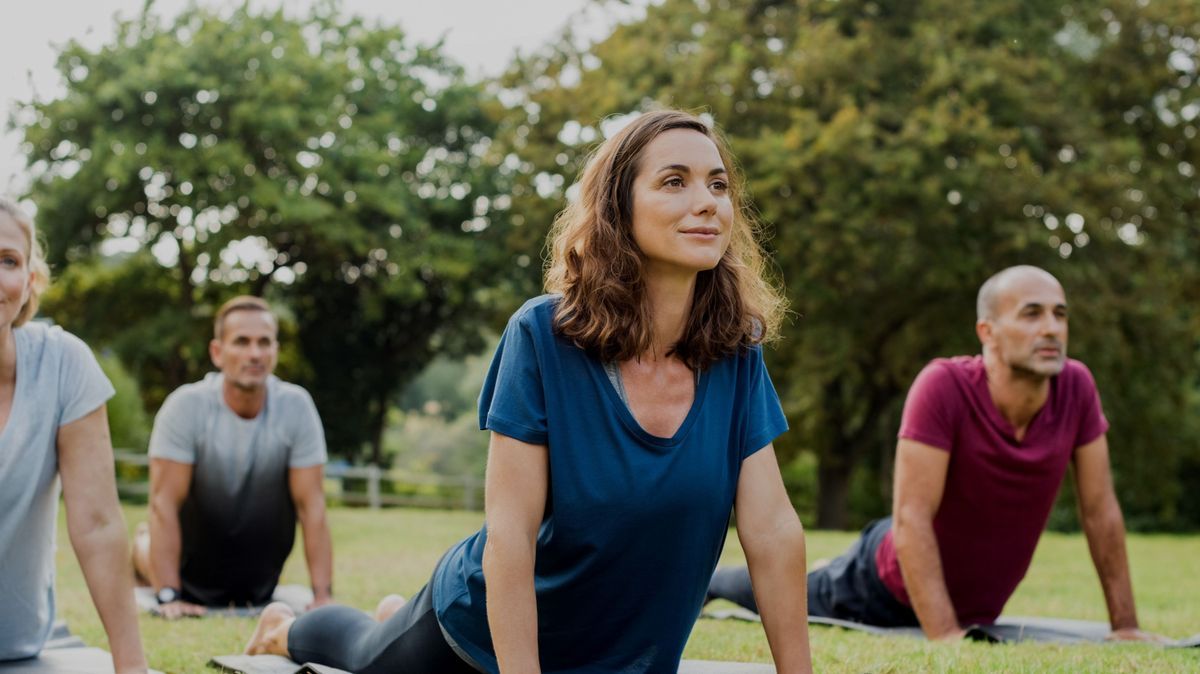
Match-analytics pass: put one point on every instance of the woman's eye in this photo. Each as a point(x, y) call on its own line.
point(673, 182)
point(719, 186)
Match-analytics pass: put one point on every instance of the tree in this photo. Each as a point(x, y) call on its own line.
point(330, 164)
point(902, 152)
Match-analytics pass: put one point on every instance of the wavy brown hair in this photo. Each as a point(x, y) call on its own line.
point(596, 266)
point(35, 259)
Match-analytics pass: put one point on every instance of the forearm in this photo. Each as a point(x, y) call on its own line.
point(921, 565)
point(511, 604)
point(777, 569)
point(166, 540)
point(318, 551)
point(102, 548)
point(1105, 532)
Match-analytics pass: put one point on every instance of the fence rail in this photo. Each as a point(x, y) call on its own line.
point(368, 485)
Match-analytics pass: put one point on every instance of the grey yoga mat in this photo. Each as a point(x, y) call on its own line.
point(63, 653)
point(1008, 629)
point(297, 597)
point(274, 664)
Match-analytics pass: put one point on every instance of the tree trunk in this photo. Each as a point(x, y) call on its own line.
point(833, 492)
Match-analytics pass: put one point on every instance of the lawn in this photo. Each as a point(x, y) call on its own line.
point(377, 552)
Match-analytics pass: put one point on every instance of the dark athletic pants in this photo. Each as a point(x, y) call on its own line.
point(410, 641)
point(847, 589)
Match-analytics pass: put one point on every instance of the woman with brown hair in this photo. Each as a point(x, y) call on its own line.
point(629, 411)
point(53, 424)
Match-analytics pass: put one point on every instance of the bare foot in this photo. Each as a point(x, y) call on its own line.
point(388, 606)
point(270, 636)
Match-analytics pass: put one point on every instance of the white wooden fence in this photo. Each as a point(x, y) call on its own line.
point(463, 492)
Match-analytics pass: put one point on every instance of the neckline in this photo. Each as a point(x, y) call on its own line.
point(219, 380)
point(626, 415)
point(1004, 425)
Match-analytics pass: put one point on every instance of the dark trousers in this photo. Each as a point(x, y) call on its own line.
point(411, 641)
point(847, 589)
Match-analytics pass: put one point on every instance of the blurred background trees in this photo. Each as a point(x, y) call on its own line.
point(323, 162)
point(898, 153)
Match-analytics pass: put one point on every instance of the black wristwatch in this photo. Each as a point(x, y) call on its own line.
point(167, 595)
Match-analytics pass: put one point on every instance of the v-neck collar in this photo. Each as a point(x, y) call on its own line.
point(625, 414)
point(1044, 415)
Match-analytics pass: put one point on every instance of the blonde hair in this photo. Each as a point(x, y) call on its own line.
point(36, 259)
point(239, 303)
point(596, 266)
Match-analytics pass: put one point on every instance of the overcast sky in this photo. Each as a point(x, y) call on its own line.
point(480, 34)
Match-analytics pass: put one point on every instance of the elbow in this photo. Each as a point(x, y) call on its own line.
point(786, 540)
point(97, 526)
point(909, 523)
point(311, 513)
point(161, 506)
point(508, 551)
point(1103, 516)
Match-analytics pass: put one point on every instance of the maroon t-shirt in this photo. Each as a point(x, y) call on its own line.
point(998, 491)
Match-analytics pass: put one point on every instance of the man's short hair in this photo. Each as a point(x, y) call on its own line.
point(239, 303)
point(989, 292)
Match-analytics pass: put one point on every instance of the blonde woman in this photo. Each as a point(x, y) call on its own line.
point(629, 412)
point(52, 412)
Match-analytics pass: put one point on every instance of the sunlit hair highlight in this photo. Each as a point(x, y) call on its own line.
point(35, 259)
point(598, 269)
point(239, 303)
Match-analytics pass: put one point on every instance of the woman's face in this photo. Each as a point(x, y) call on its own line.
point(682, 212)
point(15, 276)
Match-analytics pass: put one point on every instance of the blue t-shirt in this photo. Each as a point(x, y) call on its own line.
point(634, 522)
point(58, 382)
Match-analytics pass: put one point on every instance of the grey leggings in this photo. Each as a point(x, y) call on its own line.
point(411, 641)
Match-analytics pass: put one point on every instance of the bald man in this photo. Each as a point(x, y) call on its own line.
point(984, 444)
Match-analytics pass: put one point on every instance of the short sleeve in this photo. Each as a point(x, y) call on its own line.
point(308, 445)
point(929, 411)
point(1092, 422)
point(172, 437)
point(764, 413)
point(83, 386)
point(512, 401)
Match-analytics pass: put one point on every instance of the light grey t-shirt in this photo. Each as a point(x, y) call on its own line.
point(238, 521)
point(58, 381)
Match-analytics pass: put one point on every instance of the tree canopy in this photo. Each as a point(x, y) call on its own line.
point(325, 162)
point(900, 153)
point(897, 153)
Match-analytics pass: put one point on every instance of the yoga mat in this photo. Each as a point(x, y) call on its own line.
point(61, 637)
point(297, 597)
point(63, 654)
point(1007, 629)
point(78, 660)
point(274, 664)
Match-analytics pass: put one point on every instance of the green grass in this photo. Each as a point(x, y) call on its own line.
point(394, 551)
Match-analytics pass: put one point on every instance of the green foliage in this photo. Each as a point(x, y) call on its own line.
point(448, 387)
point(328, 163)
point(900, 153)
point(128, 422)
point(425, 443)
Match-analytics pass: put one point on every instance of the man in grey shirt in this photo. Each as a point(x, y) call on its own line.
point(236, 459)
